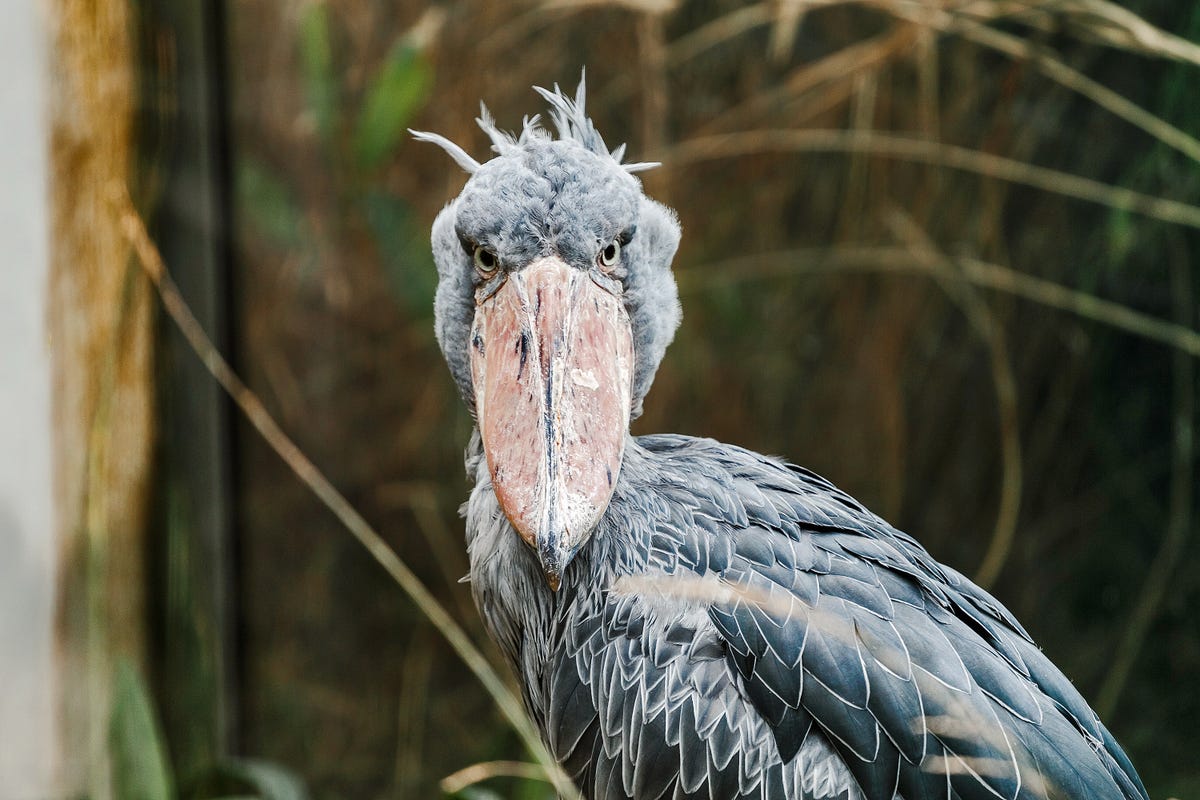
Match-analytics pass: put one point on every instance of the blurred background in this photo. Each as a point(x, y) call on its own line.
point(944, 252)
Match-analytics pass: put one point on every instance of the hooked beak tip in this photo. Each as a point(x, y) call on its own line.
point(553, 562)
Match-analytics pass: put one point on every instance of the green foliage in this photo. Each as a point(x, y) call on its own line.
point(398, 91)
point(316, 60)
point(140, 770)
point(268, 204)
point(478, 793)
point(403, 245)
point(533, 790)
point(518, 790)
point(1122, 240)
point(250, 778)
point(1179, 88)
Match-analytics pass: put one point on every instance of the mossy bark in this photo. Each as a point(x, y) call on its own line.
point(100, 330)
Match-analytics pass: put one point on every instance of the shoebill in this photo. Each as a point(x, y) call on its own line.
point(689, 619)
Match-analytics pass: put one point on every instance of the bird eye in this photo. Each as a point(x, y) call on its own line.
point(485, 261)
point(609, 256)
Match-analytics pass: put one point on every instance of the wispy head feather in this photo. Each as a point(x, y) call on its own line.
point(570, 121)
point(459, 155)
point(502, 143)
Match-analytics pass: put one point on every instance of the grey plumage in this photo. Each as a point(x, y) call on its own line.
point(734, 627)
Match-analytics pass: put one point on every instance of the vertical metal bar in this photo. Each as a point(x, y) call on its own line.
point(185, 158)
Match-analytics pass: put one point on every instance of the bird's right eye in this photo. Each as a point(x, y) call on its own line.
point(485, 261)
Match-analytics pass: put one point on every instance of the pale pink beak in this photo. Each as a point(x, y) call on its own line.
point(551, 360)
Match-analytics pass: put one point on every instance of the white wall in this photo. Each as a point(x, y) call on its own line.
point(27, 546)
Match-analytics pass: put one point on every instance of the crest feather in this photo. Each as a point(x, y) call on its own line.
point(459, 155)
point(570, 120)
point(502, 142)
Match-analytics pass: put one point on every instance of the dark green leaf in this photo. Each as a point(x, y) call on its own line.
point(246, 779)
point(404, 253)
point(139, 763)
point(266, 780)
point(316, 59)
point(267, 203)
point(534, 790)
point(478, 793)
point(393, 98)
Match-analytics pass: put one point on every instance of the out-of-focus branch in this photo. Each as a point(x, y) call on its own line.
point(688, 46)
point(655, 100)
point(251, 406)
point(1071, 78)
point(721, 29)
point(1091, 20)
point(766, 266)
point(746, 143)
point(1055, 69)
point(862, 118)
point(476, 773)
point(842, 65)
point(412, 707)
point(1083, 304)
point(1118, 27)
point(1111, 24)
point(950, 277)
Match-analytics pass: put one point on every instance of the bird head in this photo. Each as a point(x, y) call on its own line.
point(554, 306)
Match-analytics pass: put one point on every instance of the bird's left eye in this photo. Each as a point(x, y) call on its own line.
point(609, 256)
point(485, 261)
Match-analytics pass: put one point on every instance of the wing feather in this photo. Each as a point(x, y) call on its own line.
point(924, 684)
point(828, 655)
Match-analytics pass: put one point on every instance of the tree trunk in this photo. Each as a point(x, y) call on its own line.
point(100, 324)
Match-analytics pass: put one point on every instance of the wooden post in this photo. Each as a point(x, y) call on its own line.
point(101, 330)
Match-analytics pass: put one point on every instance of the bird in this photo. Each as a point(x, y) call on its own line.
point(686, 618)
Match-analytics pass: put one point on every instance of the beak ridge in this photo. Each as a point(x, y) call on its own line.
point(553, 434)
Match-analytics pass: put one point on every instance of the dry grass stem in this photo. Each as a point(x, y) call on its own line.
point(845, 64)
point(521, 27)
point(1118, 27)
point(1083, 304)
point(959, 288)
point(151, 261)
point(900, 260)
point(653, 81)
point(784, 26)
point(747, 143)
point(925, 14)
point(928, 106)
point(642, 6)
point(862, 118)
point(411, 709)
point(446, 547)
point(687, 47)
point(1090, 20)
point(477, 773)
point(720, 30)
point(1071, 78)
